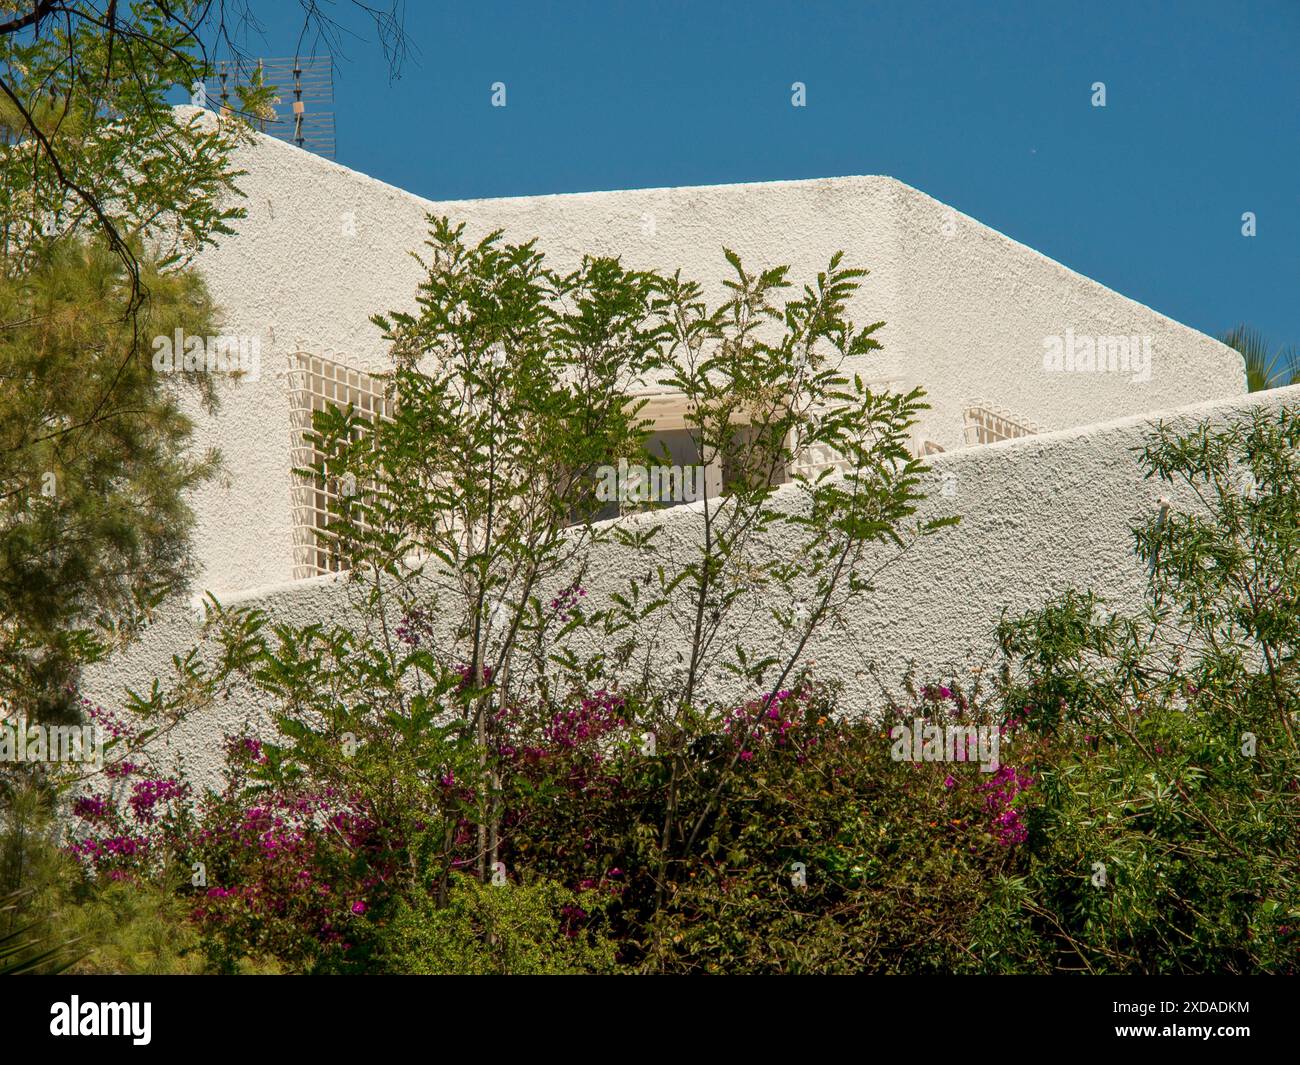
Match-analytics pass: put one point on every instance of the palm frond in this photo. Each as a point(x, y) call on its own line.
point(1265, 368)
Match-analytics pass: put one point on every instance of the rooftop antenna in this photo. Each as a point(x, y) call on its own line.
point(304, 85)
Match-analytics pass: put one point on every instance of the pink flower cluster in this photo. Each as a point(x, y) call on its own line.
point(599, 713)
point(245, 748)
point(101, 850)
point(1000, 793)
point(770, 719)
point(567, 601)
point(941, 694)
point(275, 852)
point(106, 720)
point(92, 807)
point(413, 627)
point(146, 794)
point(122, 839)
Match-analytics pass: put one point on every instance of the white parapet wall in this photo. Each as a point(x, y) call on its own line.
point(967, 310)
point(1039, 515)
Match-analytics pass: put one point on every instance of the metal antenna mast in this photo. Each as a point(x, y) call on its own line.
point(304, 85)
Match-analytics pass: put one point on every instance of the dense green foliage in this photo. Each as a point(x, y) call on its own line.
point(489, 771)
point(425, 803)
point(106, 194)
point(484, 931)
point(94, 462)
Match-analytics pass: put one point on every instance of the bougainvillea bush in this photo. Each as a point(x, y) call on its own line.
point(323, 879)
point(817, 837)
point(820, 854)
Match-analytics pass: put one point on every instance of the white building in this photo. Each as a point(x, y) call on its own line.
point(970, 316)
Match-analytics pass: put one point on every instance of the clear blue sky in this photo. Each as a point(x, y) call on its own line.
point(986, 106)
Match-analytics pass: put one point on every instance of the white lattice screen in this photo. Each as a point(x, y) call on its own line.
point(986, 424)
point(317, 383)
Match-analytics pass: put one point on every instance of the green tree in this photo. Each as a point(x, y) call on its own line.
point(511, 393)
point(95, 464)
point(106, 194)
point(469, 519)
point(1167, 759)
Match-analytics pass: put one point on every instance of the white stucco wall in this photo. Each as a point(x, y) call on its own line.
point(1039, 515)
point(966, 308)
point(974, 308)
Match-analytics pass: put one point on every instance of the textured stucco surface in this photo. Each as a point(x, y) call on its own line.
point(966, 308)
point(1039, 515)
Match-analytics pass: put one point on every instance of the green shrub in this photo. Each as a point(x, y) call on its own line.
point(511, 929)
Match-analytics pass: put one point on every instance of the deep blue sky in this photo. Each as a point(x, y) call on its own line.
point(985, 106)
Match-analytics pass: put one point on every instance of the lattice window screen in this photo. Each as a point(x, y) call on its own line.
point(810, 461)
point(986, 424)
point(317, 383)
